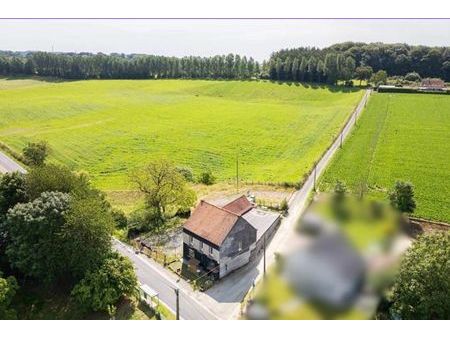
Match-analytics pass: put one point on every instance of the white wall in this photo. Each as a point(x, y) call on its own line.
point(228, 264)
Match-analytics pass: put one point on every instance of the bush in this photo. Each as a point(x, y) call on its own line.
point(186, 173)
point(284, 205)
point(207, 178)
point(120, 219)
point(402, 197)
point(422, 286)
point(35, 153)
point(100, 290)
point(413, 77)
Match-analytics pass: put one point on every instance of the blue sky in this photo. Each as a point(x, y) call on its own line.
point(257, 38)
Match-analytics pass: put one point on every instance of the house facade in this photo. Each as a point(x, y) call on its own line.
point(220, 239)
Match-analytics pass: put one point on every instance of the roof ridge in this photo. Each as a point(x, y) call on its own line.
point(220, 208)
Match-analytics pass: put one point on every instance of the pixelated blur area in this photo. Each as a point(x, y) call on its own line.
point(344, 258)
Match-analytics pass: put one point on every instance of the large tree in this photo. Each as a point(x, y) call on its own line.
point(165, 189)
point(33, 228)
point(86, 234)
point(101, 289)
point(422, 286)
point(363, 73)
point(12, 191)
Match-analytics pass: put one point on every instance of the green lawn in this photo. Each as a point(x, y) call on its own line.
point(108, 127)
point(400, 137)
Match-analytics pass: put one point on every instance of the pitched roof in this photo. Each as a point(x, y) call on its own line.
point(239, 206)
point(211, 222)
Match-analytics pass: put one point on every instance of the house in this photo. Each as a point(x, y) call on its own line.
point(433, 85)
point(220, 239)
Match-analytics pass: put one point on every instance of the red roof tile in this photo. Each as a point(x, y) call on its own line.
point(239, 206)
point(211, 223)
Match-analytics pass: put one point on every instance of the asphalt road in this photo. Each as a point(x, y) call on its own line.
point(165, 283)
point(9, 165)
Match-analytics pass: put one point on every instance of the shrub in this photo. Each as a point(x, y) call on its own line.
point(413, 77)
point(207, 178)
point(35, 153)
point(284, 205)
point(402, 197)
point(186, 173)
point(120, 219)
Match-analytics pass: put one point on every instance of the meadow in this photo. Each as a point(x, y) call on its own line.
point(399, 137)
point(110, 127)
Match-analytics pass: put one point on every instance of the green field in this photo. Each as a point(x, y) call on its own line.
point(108, 127)
point(400, 137)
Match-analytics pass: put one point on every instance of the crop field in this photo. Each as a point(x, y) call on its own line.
point(109, 127)
point(400, 137)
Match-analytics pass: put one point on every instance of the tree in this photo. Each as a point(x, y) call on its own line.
point(85, 234)
point(331, 67)
point(53, 177)
point(34, 246)
point(422, 287)
point(8, 288)
point(363, 73)
point(35, 153)
point(58, 236)
point(12, 191)
point(402, 197)
point(164, 188)
point(101, 289)
point(379, 77)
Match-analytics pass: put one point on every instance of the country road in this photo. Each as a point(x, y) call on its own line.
point(223, 300)
point(9, 165)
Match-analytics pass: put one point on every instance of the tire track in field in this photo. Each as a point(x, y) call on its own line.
point(374, 144)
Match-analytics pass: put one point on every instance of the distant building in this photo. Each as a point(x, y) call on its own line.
point(431, 84)
point(220, 239)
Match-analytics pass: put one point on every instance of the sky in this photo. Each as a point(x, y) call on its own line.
point(256, 38)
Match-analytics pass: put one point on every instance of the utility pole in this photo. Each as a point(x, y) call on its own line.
point(237, 173)
point(264, 256)
point(177, 293)
point(315, 173)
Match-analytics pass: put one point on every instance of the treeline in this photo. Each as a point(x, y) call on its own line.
point(337, 61)
point(342, 61)
point(121, 66)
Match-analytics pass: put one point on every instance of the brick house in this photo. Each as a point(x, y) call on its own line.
point(220, 239)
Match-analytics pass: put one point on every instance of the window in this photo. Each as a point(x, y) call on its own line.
point(191, 239)
point(201, 245)
point(240, 246)
point(226, 267)
point(211, 250)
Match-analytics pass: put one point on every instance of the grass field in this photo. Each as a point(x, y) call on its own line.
point(108, 127)
point(400, 137)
